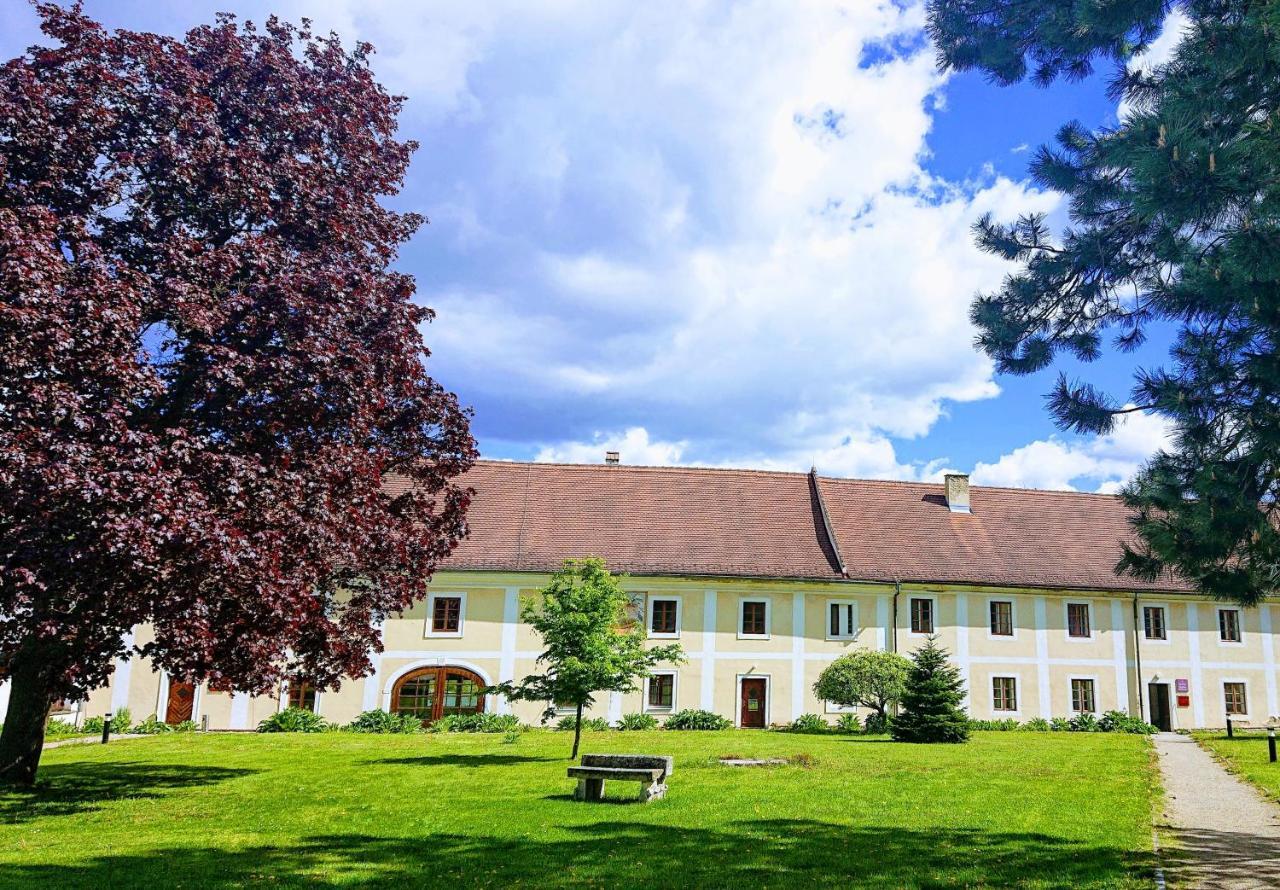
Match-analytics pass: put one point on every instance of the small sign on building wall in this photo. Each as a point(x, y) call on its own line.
point(1184, 701)
point(1182, 685)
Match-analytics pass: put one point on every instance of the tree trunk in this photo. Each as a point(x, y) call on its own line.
point(577, 733)
point(22, 739)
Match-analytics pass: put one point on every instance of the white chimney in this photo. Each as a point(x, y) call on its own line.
point(612, 457)
point(957, 488)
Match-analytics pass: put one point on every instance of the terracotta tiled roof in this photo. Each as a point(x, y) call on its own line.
point(746, 523)
point(1013, 537)
point(643, 520)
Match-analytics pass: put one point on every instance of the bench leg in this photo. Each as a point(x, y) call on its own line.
point(655, 791)
point(589, 789)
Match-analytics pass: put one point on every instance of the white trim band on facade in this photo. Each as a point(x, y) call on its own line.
point(1042, 658)
point(708, 692)
point(507, 662)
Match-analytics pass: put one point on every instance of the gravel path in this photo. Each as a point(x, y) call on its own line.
point(1227, 833)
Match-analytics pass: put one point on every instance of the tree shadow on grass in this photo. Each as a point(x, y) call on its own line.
point(64, 789)
point(464, 760)
point(614, 852)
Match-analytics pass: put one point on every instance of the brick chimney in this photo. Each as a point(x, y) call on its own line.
point(957, 488)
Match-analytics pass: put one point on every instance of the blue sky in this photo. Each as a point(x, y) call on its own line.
point(713, 233)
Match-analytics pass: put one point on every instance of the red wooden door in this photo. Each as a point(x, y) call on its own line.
point(182, 696)
point(754, 690)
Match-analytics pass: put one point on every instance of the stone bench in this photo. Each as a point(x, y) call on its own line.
point(650, 771)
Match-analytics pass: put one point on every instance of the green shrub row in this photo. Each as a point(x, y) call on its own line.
point(121, 723)
point(847, 724)
point(1111, 721)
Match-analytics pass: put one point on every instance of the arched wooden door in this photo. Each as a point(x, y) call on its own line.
point(434, 692)
point(182, 697)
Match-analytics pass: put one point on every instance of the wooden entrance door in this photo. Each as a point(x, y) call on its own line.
point(754, 690)
point(182, 697)
point(1158, 695)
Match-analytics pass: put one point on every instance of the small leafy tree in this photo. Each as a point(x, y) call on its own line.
point(591, 644)
point(864, 679)
point(931, 701)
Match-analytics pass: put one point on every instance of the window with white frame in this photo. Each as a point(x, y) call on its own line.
point(1078, 624)
point(1154, 625)
point(921, 615)
point(842, 619)
point(753, 618)
point(1082, 698)
point(664, 616)
point(1229, 625)
point(446, 613)
point(661, 692)
point(1004, 693)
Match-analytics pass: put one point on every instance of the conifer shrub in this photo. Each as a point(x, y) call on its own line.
point(931, 702)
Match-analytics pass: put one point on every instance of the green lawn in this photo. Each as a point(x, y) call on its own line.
point(1246, 756)
point(1007, 809)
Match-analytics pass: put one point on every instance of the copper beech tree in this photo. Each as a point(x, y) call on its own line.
point(207, 366)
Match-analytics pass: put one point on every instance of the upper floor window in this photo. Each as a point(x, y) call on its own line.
point(1229, 625)
point(754, 618)
point(1082, 700)
point(302, 694)
point(1078, 620)
point(1001, 618)
point(842, 620)
point(1153, 623)
point(445, 614)
point(1234, 698)
point(664, 617)
point(922, 616)
point(1004, 693)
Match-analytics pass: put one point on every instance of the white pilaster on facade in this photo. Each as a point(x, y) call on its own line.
point(797, 654)
point(962, 643)
point(708, 692)
point(373, 682)
point(1122, 661)
point(121, 676)
point(1042, 658)
point(507, 661)
point(1197, 677)
point(240, 710)
point(615, 707)
point(882, 622)
point(1268, 658)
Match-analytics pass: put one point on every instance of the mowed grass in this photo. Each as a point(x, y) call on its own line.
point(1005, 810)
point(1246, 756)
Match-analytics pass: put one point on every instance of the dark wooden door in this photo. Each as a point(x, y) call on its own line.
point(754, 690)
point(182, 696)
point(1158, 694)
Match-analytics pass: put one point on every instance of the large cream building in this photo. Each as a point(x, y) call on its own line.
point(764, 578)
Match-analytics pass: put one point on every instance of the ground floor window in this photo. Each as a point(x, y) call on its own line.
point(662, 692)
point(1233, 693)
point(1082, 701)
point(435, 692)
point(1004, 693)
point(302, 694)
